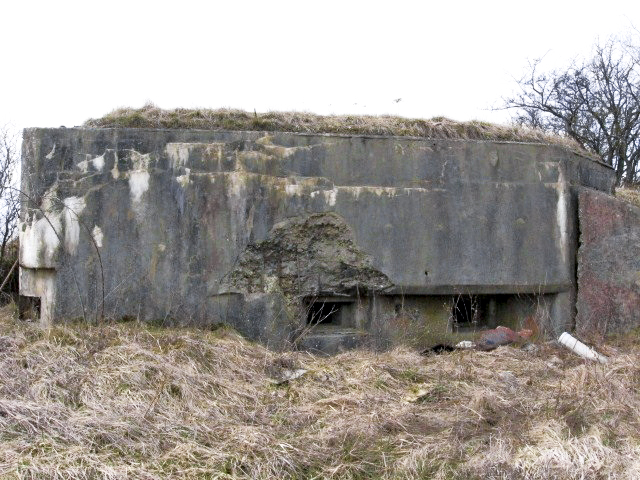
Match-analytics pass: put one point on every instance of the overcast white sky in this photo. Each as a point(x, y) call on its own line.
point(66, 61)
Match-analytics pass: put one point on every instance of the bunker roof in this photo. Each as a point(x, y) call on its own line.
point(151, 116)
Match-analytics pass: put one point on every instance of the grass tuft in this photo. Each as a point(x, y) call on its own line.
point(127, 401)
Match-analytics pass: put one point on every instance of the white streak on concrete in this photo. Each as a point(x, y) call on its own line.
point(98, 163)
point(330, 196)
point(73, 207)
point(97, 236)
point(184, 180)
point(115, 172)
point(237, 202)
point(178, 153)
point(561, 218)
point(237, 184)
point(292, 189)
point(388, 191)
point(138, 184)
point(140, 161)
point(50, 155)
point(378, 191)
point(83, 166)
point(39, 242)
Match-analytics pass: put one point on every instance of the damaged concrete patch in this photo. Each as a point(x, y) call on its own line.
point(608, 265)
point(310, 255)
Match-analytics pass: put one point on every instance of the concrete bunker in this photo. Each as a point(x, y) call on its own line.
point(386, 240)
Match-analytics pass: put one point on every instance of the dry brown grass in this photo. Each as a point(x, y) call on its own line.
point(125, 401)
point(629, 194)
point(151, 116)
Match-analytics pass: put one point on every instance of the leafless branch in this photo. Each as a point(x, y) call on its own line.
point(596, 102)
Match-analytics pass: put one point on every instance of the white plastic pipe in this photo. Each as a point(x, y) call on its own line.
point(580, 348)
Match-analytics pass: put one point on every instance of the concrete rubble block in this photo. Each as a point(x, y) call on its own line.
point(608, 265)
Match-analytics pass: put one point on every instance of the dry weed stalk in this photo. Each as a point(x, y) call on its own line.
point(128, 401)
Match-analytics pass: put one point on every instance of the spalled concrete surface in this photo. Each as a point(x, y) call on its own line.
point(608, 265)
point(308, 255)
point(199, 227)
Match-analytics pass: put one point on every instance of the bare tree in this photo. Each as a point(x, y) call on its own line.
point(9, 201)
point(596, 102)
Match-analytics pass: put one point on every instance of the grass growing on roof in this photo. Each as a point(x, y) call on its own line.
point(125, 401)
point(151, 116)
point(629, 194)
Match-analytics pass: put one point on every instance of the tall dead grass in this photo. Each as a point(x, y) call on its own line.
point(126, 401)
point(151, 116)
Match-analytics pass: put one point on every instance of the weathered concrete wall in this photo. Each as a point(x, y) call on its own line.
point(198, 227)
point(608, 265)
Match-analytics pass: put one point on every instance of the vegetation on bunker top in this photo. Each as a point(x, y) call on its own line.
point(151, 116)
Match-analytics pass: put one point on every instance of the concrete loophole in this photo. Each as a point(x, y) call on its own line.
point(326, 313)
point(329, 313)
point(28, 308)
point(471, 312)
point(465, 310)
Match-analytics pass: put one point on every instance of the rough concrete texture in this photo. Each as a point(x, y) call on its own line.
point(608, 265)
point(309, 255)
point(246, 228)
